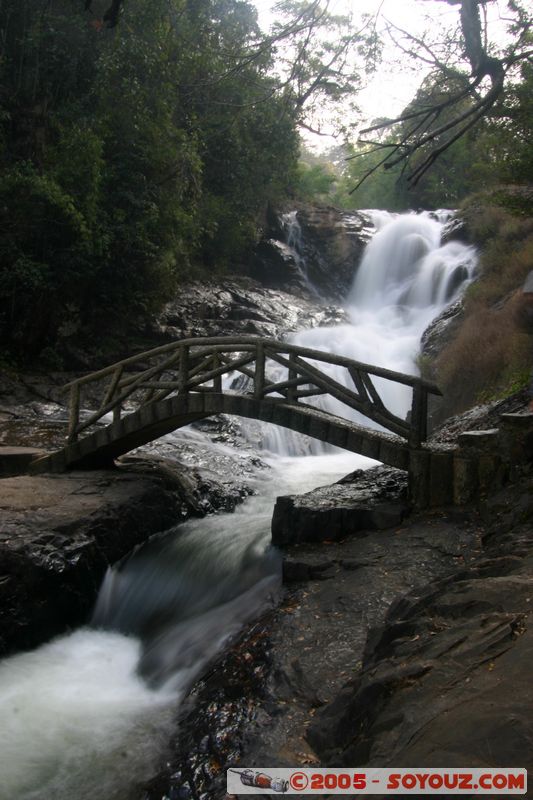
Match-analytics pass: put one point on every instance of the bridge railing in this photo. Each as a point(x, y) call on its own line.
point(199, 365)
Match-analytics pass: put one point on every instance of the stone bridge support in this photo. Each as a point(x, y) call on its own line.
point(479, 463)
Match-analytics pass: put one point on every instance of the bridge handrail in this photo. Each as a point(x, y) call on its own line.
point(202, 360)
point(221, 343)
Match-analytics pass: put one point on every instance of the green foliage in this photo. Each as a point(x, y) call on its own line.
point(314, 182)
point(129, 159)
point(321, 58)
point(44, 253)
point(512, 382)
point(505, 239)
point(497, 150)
point(382, 190)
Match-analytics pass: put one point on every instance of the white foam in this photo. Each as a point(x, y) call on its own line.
point(77, 721)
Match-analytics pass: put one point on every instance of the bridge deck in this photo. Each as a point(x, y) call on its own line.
point(152, 421)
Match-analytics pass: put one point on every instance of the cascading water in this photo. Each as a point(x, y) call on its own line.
point(294, 241)
point(91, 713)
point(88, 714)
point(405, 280)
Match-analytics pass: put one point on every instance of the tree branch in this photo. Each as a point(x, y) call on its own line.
point(428, 138)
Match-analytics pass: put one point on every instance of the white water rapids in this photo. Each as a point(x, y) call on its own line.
point(88, 715)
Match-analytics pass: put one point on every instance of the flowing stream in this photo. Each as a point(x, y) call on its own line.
point(88, 714)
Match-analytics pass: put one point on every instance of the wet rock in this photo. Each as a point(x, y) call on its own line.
point(240, 307)
point(295, 571)
point(276, 266)
point(323, 624)
point(374, 500)
point(445, 678)
point(441, 330)
point(232, 306)
point(482, 417)
point(58, 534)
point(335, 242)
point(215, 721)
point(323, 255)
point(456, 229)
point(16, 460)
point(260, 699)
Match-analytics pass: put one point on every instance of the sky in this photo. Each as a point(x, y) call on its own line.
point(393, 86)
point(389, 91)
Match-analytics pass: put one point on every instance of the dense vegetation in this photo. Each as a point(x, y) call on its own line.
point(489, 354)
point(129, 158)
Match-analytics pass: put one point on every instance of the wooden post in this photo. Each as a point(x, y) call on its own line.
point(293, 374)
point(419, 412)
point(217, 380)
point(116, 413)
point(74, 413)
point(113, 385)
point(183, 375)
point(259, 377)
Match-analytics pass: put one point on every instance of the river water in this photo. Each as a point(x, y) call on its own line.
point(89, 714)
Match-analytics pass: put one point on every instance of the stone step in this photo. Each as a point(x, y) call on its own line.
point(16, 460)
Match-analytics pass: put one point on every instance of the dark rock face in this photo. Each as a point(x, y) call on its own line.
point(479, 418)
point(363, 501)
point(16, 460)
point(276, 265)
point(455, 230)
point(298, 657)
point(442, 330)
point(59, 533)
point(321, 258)
point(368, 605)
point(234, 306)
point(446, 678)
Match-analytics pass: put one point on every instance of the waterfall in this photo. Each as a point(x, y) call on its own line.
point(88, 715)
point(294, 241)
point(405, 280)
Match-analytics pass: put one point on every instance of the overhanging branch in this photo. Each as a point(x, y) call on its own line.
point(439, 123)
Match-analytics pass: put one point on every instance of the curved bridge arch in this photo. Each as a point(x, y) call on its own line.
point(149, 423)
point(165, 388)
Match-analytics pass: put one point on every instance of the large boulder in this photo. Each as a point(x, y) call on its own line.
point(239, 306)
point(442, 330)
point(363, 501)
point(446, 678)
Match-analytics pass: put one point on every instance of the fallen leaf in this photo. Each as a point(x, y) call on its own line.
point(307, 758)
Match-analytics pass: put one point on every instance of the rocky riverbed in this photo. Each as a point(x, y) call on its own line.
point(54, 536)
point(59, 533)
point(388, 625)
point(382, 636)
point(401, 647)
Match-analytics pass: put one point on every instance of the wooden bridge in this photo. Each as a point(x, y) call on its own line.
point(143, 397)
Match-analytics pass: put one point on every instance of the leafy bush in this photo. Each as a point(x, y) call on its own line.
point(314, 182)
point(44, 252)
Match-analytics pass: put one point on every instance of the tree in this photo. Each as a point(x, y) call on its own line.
point(321, 58)
point(111, 13)
point(130, 160)
point(428, 131)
